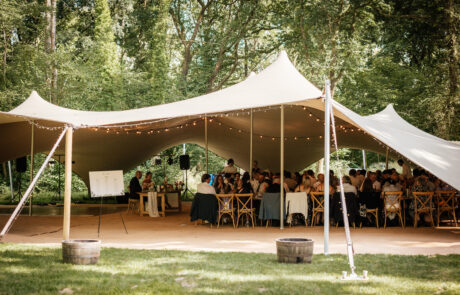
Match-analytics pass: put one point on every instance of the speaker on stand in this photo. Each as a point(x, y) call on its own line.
point(184, 161)
point(21, 167)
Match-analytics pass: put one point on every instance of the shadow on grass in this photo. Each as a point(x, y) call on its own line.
point(39, 270)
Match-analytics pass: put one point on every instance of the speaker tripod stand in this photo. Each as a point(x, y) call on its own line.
point(186, 186)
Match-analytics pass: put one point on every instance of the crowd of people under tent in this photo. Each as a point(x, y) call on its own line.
point(358, 182)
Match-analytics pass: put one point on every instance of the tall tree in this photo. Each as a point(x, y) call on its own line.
point(105, 49)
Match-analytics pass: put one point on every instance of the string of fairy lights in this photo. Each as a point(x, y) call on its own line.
point(145, 127)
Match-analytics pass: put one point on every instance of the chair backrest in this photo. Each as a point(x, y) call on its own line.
point(445, 199)
point(225, 201)
point(422, 200)
point(243, 203)
point(317, 199)
point(392, 200)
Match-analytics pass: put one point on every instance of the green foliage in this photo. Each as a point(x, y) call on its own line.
point(115, 55)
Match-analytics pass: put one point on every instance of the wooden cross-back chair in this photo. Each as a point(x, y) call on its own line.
point(394, 205)
point(446, 204)
point(317, 201)
point(244, 207)
point(423, 203)
point(225, 207)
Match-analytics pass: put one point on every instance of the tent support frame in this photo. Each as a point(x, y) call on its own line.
point(26, 195)
point(32, 140)
point(250, 144)
point(282, 168)
point(327, 147)
point(67, 183)
point(206, 141)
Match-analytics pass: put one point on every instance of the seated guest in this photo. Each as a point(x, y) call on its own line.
point(237, 176)
point(204, 187)
point(246, 183)
point(319, 185)
point(230, 168)
point(228, 180)
point(264, 182)
point(347, 186)
point(333, 180)
point(241, 188)
point(366, 186)
point(147, 183)
point(134, 185)
point(354, 177)
point(395, 177)
point(305, 185)
point(291, 182)
point(376, 185)
point(275, 187)
point(391, 186)
point(311, 175)
point(220, 186)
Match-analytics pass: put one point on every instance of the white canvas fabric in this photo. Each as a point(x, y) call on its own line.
point(164, 126)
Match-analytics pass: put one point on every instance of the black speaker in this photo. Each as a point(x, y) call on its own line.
point(21, 164)
point(184, 161)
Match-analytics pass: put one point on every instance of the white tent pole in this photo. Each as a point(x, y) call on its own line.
point(67, 183)
point(250, 144)
point(282, 169)
point(26, 195)
point(327, 124)
point(31, 165)
point(386, 158)
point(206, 140)
point(11, 180)
point(364, 160)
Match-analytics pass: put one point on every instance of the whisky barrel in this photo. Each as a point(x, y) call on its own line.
point(81, 251)
point(294, 250)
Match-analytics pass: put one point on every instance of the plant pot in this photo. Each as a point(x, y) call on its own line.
point(294, 250)
point(81, 251)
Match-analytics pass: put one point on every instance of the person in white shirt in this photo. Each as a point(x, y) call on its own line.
point(376, 185)
point(355, 179)
point(230, 168)
point(406, 172)
point(204, 187)
point(347, 186)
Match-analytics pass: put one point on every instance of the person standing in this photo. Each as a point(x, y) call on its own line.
point(135, 186)
point(406, 172)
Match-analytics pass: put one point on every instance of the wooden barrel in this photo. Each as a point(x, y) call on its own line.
point(295, 250)
point(81, 251)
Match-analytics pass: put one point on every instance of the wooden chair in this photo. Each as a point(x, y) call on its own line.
point(317, 201)
point(133, 204)
point(225, 206)
point(394, 206)
point(244, 207)
point(446, 203)
point(375, 213)
point(423, 203)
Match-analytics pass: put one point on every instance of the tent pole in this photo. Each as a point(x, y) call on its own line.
point(31, 166)
point(67, 183)
point(386, 159)
point(282, 169)
point(206, 140)
point(327, 147)
point(26, 195)
point(11, 180)
point(250, 144)
point(364, 160)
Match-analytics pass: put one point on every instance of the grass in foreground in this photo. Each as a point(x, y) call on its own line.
point(33, 269)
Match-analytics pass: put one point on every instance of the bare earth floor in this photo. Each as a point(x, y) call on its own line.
point(175, 231)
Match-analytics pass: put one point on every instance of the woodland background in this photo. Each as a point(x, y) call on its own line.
point(123, 54)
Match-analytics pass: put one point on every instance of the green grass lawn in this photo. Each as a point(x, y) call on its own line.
point(33, 269)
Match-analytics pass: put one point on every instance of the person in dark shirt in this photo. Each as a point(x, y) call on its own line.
point(135, 186)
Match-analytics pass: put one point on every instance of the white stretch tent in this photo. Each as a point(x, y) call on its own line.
point(122, 139)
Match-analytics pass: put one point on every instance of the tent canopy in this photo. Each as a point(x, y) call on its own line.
point(122, 139)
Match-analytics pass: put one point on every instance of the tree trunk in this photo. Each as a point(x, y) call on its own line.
point(5, 51)
point(453, 72)
point(52, 51)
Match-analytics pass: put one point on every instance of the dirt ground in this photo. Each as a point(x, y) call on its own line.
point(175, 231)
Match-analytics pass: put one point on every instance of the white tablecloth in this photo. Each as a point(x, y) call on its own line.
point(152, 204)
point(297, 203)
